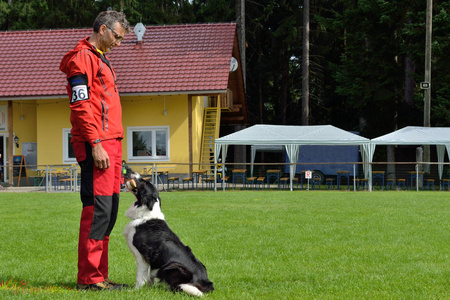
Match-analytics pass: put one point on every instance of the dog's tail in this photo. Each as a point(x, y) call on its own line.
point(190, 289)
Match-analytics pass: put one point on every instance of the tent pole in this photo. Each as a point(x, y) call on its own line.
point(290, 175)
point(223, 169)
point(215, 173)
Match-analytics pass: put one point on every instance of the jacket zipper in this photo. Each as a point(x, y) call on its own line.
point(103, 116)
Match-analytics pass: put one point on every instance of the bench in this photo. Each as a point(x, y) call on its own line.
point(329, 183)
point(250, 182)
point(64, 183)
point(209, 182)
point(260, 182)
point(285, 182)
point(173, 179)
point(189, 181)
point(401, 182)
point(315, 182)
point(223, 181)
point(390, 183)
point(430, 183)
point(363, 183)
point(445, 182)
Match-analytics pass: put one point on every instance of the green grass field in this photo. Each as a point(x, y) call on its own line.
point(255, 245)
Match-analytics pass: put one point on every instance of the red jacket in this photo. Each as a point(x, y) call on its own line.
point(96, 112)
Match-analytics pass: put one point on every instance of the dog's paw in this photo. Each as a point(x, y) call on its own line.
point(139, 284)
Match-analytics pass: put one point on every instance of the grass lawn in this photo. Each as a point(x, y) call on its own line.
point(254, 244)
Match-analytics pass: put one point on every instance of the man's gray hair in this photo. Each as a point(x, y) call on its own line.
point(110, 18)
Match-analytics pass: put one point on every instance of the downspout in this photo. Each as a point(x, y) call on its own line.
point(10, 143)
point(190, 134)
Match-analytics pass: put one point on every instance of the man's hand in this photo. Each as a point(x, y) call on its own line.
point(101, 158)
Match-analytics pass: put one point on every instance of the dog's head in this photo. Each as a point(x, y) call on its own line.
point(145, 192)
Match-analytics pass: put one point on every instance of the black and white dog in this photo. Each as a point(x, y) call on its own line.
point(159, 252)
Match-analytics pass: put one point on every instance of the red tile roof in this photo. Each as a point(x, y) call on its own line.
point(174, 58)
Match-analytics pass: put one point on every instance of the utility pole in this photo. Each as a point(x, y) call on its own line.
point(427, 84)
point(305, 64)
point(240, 153)
point(241, 36)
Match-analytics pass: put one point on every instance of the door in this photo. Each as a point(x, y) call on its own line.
point(4, 158)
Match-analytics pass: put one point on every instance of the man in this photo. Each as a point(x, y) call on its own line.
point(97, 132)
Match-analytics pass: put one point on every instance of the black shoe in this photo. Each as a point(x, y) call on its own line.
point(114, 284)
point(99, 286)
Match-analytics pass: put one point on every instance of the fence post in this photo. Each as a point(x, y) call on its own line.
point(46, 178)
point(417, 177)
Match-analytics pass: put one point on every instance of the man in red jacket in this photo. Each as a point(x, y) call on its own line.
point(97, 133)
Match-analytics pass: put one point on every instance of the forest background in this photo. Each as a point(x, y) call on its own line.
point(367, 57)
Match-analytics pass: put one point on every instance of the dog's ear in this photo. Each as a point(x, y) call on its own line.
point(175, 274)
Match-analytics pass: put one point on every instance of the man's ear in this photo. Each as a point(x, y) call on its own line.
point(102, 30)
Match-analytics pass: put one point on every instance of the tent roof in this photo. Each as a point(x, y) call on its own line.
point(299, 135)
point(413, 135)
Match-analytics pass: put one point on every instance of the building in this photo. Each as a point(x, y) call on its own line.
point(179, 85)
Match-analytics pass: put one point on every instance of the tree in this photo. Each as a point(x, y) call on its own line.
point(41, 14)
point(274, 39)
point(366, 59)
point(305, 64)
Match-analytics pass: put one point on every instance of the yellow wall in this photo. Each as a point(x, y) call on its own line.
point(148, 111)
point(23, 127)
point(26, 131)
point(52, 117)
point(198, 109)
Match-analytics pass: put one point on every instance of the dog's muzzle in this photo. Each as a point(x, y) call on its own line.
point(131, 185)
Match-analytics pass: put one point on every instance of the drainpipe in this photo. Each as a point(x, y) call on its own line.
point(10, 143)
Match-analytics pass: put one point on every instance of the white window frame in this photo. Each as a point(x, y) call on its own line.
point(153, 129)
point(66, 141)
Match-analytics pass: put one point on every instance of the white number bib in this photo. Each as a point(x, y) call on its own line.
point(79, 92)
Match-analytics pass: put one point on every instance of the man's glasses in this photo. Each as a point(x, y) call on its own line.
point(118, 37)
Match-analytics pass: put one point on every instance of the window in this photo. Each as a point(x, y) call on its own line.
point(68, 153)
point(148, 143)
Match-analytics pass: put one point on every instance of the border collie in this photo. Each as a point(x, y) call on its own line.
point(159, 252)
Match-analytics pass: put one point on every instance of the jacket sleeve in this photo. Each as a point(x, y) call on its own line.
point(80, 78)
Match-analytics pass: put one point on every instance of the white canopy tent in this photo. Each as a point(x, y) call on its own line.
point(291, 137)
point(412, 135)
point(264, 148)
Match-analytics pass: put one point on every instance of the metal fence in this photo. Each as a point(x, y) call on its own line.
point(259, 176)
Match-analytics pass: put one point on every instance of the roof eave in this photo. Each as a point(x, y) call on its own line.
point(206, 92)
point(32, 98)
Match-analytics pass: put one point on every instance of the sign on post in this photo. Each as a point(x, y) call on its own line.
point(308, 175)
